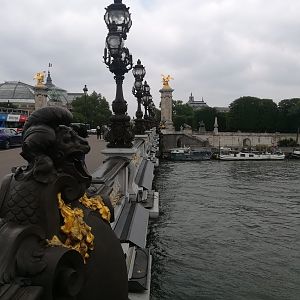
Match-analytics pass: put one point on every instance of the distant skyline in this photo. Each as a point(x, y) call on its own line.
point(217, 49)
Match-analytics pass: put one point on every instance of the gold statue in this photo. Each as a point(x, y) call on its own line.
point(39, 77)
point(165, 81)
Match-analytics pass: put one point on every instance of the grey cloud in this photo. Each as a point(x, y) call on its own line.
point(220, 49)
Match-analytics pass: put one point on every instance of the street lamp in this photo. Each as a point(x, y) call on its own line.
point(85, 90)
point(152, 114)
point(147, 98)
point(138, 72)
point(117, 18)
point(119, 61)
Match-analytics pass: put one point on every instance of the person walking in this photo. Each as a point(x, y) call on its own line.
point(98, 132)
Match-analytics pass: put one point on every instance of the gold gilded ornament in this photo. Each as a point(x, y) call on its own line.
point(78, 234)
point(135, 159)
point(115, 196)
point(96, 203)
point(165, 81)
point(39, 77)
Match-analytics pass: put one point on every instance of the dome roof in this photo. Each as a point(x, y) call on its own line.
point(16, 90)
point(55, 93)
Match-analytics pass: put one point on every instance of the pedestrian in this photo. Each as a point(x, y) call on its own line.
point(98, 132)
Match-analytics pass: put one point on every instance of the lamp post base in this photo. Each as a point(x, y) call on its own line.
point(139, 127)
point(120, 133)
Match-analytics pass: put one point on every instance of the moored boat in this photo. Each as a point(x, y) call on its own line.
point(188, 154)
point(295, 153)
point(255, 155)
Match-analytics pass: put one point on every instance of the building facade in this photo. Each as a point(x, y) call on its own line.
point(21, 95)
point(196, 104)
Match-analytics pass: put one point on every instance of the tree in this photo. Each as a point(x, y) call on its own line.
point(182, 114)
point(289, 115)
point(207, 115)
point(222, 121)
point(94, 110)
point(252, 114)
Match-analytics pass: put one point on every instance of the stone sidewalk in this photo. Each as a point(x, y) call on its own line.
point(12, 158)
point(95, 158)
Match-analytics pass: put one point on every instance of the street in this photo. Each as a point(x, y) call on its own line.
point(12, 158)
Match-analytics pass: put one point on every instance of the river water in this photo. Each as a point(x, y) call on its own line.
point(227, 230)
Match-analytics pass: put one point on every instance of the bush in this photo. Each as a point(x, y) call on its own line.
point(287, 143)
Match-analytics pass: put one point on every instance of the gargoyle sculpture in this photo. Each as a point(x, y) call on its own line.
point(56, 241)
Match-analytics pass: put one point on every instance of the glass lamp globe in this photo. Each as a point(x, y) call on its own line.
point(114, 43)
point(117, 18)
point(139, 70)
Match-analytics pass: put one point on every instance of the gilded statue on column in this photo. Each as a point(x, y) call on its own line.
point(165, 81)
point(39, 77)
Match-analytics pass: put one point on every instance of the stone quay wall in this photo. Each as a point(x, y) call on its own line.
point(245, 139)
point(192, 139)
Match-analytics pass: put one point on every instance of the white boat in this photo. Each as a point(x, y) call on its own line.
point(295, 153)
point(235, 155)
point(188, 154)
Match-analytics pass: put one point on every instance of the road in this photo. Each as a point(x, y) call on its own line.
point(12, 158)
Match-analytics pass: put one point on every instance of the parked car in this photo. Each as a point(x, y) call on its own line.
point(10, 137)
point(92, 131)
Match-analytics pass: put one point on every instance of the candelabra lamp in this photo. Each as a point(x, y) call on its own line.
point(138, 72)
point(147, 98)
point(85, 90)
point(152, 113)
point(119, 61)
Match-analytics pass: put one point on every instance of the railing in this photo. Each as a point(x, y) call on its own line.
point(125, 181)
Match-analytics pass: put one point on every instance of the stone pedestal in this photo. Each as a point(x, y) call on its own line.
point(166, 107)
point(40, 96)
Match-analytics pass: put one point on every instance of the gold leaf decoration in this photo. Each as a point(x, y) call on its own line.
point(78, 234)
point(115, 195)
point(96, 203)
point(135, 159)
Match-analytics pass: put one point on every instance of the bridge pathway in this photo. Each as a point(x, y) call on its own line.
point(11, 158)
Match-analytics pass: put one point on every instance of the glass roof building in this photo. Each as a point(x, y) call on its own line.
point(17, 93)
point(22, 95)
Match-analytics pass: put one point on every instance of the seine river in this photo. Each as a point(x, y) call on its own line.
point(227, 230)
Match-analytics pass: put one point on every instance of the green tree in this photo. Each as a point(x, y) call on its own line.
point(182, 114)
point(252, 114)
point(289, 115)
point(207, 115)
point(222, 121)
point(92, 109)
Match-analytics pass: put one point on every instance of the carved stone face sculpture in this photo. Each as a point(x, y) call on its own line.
point(69, 146)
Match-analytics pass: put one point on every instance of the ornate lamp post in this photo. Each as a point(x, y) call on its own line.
point(85, 90)
point(151, 110)
point(138, 72)
point(147, 98)
point(119, 61)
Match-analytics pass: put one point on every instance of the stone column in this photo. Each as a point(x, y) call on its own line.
point(166, 107)
point(40, 96)
point(216, 126)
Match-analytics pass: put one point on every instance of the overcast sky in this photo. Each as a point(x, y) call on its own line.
point(216, 49)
